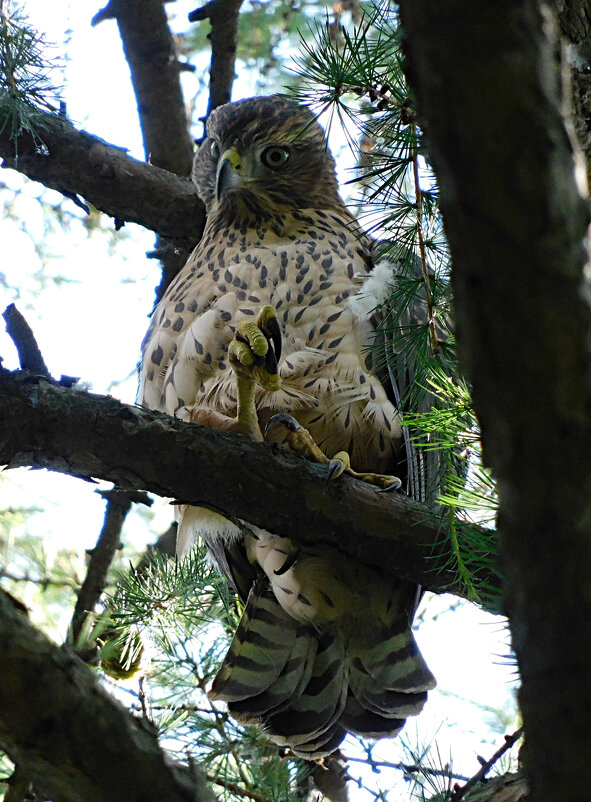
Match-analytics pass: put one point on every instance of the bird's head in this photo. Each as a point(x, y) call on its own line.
point(262, 156)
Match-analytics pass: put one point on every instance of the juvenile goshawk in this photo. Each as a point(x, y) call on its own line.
point(265, 318)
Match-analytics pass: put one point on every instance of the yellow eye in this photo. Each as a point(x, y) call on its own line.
point(214, 149)
point(275, 156)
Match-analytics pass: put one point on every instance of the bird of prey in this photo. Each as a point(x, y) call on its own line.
point(270, 316)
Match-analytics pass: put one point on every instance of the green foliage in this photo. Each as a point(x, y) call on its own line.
point(185, 615)
point(25, 75)
point(357, 76)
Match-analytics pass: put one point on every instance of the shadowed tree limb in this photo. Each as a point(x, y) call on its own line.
point(490, 90)
point(223, 15)
point(129, 190)
point(150, 52)
point(151, 55)
point(29, 354)
point(44, 424)
point(89, 747)
point(118, 505)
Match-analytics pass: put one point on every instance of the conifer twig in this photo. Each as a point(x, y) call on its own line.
point(44, 581)
point(408, 768)
point(486, 765)
point(237, 789)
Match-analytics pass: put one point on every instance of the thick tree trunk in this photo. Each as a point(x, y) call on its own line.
point(489, 84)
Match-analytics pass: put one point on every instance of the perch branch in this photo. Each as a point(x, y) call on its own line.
point(44, 424)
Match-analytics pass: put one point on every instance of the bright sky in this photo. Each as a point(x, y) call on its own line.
point(90, 324)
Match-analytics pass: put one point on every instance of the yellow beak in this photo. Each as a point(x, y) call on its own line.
point(229, 173)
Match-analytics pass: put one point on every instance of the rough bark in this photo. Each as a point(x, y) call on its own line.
point(489, 86)
point(151, 55)
point(150, 52)
point(85, 746)
point(78, 163)
point(43, 424)
point(223, 15)
point(575, 23)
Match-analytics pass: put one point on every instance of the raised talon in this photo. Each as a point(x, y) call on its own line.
point(255, 349)
point(269, 325)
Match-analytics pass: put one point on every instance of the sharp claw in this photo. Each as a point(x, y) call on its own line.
point(273, 332)
point(335, 468)
point(282, 419)
point(394, 486)
point(271, 362)
point(292, 556)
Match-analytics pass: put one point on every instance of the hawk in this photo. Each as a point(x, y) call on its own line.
point(268, 317)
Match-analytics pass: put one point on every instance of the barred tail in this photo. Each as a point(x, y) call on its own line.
point(308, 689)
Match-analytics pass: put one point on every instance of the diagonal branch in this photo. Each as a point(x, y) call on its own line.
point(69, 736)
point(118, 505)
point(78, 163)
point(44, 424)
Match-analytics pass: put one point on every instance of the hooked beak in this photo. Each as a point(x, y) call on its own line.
point(229, 172)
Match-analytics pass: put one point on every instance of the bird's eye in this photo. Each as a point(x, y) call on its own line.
point(214, 150)
point(275, 156)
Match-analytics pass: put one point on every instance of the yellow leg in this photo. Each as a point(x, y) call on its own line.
point(253, 355)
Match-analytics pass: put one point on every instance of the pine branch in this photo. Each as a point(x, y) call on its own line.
point(517, 219)
point(73, 161)
point(460, 791)
point(103, 754)
point(45, 424)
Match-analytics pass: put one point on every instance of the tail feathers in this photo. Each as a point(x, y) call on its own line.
point(320, 703)
point(308, 689)
point(394, 663)
point(361, 721)
point(262, 646)
point(322, 745)
point(293, 678)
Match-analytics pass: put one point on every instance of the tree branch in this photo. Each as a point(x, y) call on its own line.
point(489, 85)
point(74, 161)
point(118, 505)
point(29, 354)
point(223, 15)
point(150, 52)
point(44, 424)
point(69, 736)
